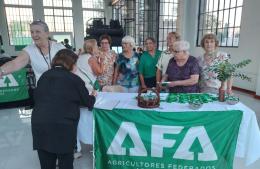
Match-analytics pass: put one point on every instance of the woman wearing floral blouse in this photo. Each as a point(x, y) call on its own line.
point(109, 57)
point(208, 80)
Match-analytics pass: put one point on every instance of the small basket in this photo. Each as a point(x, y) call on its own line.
point(232, 100)
point(148, 102)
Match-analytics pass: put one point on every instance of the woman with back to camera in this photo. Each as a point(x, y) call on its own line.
point(58, 97)
point(183, 70)
point(208, 80)
point(39, 54)
point(89, 66)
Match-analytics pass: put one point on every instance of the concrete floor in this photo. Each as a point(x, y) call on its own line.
point(16, 139)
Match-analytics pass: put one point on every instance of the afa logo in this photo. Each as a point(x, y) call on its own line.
point(158, 142)
point(8, 81)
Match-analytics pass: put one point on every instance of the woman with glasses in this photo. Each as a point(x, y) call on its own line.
point(109, 57)
point(126, 72)
point(208, 81)
point(147, 65)
point(39, 54)
point(182, 73)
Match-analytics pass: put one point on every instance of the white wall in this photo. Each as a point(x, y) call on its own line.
point(249, 45)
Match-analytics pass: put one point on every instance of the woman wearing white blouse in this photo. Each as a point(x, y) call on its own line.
point(39, 54)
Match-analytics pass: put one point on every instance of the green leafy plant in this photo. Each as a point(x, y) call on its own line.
point(226, 70)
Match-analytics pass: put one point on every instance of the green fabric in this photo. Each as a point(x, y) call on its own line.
point(193, 134)
point(147, 65)
point(97, 86)
point(14, 87)
point(188, 97)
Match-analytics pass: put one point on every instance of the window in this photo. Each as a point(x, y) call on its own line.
point(167, 20)
point(143, 18)
point(58, 15)
point(125, 12)
point(96, 4)
point(92, 9)
point(222, 17)
point(147, 20)
point(19, 16)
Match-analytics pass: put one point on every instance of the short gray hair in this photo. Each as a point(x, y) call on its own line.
point(40, 23)
point(181, 45)
point(129, 39)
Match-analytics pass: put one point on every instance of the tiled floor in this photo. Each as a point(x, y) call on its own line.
point(16, 140)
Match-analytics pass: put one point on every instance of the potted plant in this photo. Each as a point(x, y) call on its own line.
point(225, 70)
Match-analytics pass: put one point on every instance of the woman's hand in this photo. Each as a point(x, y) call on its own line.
point(229, 91)
point(94, 93)
point(172, 84)
point(144, 86)
point(158, 85)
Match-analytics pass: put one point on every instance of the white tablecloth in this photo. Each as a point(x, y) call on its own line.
point(248, 143)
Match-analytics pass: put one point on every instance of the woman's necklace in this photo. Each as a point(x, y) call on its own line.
point(46, 58)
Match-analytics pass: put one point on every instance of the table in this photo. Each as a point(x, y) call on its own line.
point(248, 140)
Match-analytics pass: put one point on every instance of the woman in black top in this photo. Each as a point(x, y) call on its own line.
point(55, 116)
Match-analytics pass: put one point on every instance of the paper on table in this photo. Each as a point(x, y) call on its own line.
point(106, 104)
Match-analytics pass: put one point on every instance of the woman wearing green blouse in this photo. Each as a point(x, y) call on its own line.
point(147, 65)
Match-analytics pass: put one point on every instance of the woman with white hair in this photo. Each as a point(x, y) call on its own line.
point(183, 70)
point(126, 72)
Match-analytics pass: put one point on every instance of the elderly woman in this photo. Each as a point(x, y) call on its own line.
point(126, 73)
point(109, 57)
point(166, 55)
point(39, 54)
point(183, 70)
point(90, 65)
point(147, 65)
point(208, 81)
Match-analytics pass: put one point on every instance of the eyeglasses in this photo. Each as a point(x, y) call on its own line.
point(176, 51)
point(104, 42)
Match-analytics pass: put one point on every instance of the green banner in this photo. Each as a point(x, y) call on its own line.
point(13, 87)
point(142, 139)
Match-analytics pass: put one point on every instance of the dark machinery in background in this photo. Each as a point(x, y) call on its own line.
point(98, 28)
